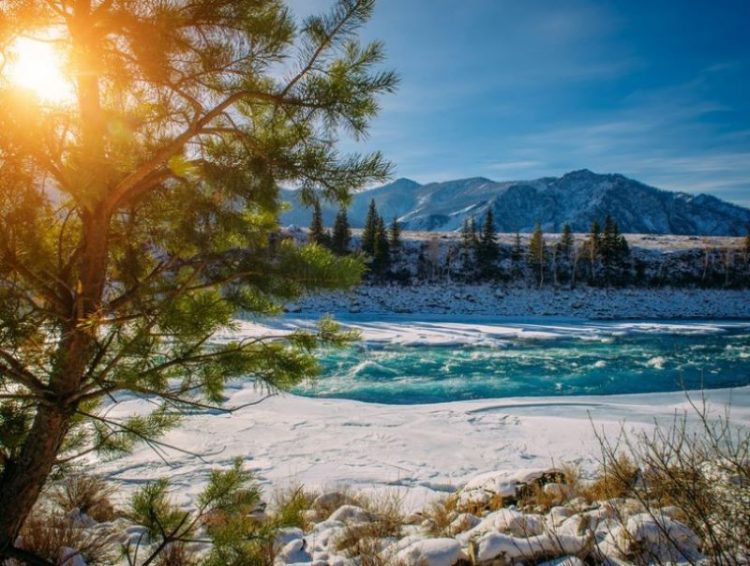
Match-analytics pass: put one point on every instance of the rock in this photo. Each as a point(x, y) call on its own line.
point(326, 503)
point(510, 485)
point(662, 540)
point(430, 552)
point(285, 536)
point(323, 533)
point(351, 514)
point(71, 557)
point(463, 522)
point(564, 561)
point(505, 520)
point(579, 504)
point(514, 522)
point(557, 516)
point(294, 552)
point(498, 545)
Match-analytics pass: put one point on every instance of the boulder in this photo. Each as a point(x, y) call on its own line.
point(430, 552)
point(501, 546)
point(351, 514)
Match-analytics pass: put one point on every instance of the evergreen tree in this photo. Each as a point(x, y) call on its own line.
point(469, 246)
point(135, 221)
point(317, 234)
point(566, 242)
point(613, 250)
point(469, 234)
point(381, 252)
point(487, 249)
point(394, 237)
point(342, 234)
point(517, 252)
point(537, 255)
point(747, 246)
point(370, 229)
point(593, 243)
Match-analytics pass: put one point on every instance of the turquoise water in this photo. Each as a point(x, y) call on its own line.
point(570, 359)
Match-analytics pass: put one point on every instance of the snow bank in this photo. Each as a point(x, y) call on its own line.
point(492, 300)
point(419, 451)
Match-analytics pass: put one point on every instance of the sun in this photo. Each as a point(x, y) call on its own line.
point(37, 66)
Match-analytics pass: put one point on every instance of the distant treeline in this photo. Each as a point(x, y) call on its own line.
point(602, 258)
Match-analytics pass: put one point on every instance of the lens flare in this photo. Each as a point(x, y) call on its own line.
point(37, 66)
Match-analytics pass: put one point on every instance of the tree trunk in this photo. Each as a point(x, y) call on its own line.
point(24, 477)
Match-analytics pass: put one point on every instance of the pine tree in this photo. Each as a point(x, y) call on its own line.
point(613, 250)
point(592, 250)
point(394, 238)
point(517, 253)
point(566, 241)
point(342, 234)
point(594, 242)
point(150, 204)
point(487, 248)
point(468, 247)
point(381, 252)
point(469, 234)
point(537, 255)
point(369, 231)
point(317, 234)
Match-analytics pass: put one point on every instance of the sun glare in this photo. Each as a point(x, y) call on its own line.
point(37, 66)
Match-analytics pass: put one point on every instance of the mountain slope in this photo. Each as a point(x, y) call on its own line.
point(575, 198)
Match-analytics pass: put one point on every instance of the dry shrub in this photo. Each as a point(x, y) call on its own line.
point(617, 477)
point(46, 533)
point(479, 508)
point(440, 514)
point(700, 469)
point(289, 507)
point(362, 540)
point(176, 554)
point(538, 499)
point(88, 494)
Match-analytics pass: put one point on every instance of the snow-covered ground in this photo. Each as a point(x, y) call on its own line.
point(420, 449)
point(494, 300)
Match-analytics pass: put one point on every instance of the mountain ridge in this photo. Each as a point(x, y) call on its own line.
point(575, 198)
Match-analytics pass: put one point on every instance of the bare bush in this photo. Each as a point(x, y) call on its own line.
point(52, 535)
point(696, 471)
point(88, 494)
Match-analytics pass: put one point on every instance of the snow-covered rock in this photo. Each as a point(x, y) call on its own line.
point(496, 545)
point(351, 514)
point(656, 538)
point(430, 552)
point(294, 552)
point(506, 484)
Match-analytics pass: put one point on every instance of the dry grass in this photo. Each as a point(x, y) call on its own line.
point(176, 554)
point(88, 494)
point(46, 533)
point(701, 470)
point(494, 503)
point(617, 478)
point(289, 507)
point(363, 540)
point(440, 514)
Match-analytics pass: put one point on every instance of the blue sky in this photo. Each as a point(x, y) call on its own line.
point(657, 90)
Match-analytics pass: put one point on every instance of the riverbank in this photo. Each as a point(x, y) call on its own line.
point(494, 300)
point(419, 451)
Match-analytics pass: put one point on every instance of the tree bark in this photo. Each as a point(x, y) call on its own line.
point(24, 476)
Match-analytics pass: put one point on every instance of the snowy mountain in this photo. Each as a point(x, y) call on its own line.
point(576, 198)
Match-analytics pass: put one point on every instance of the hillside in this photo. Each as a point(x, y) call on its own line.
point(575, 198)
